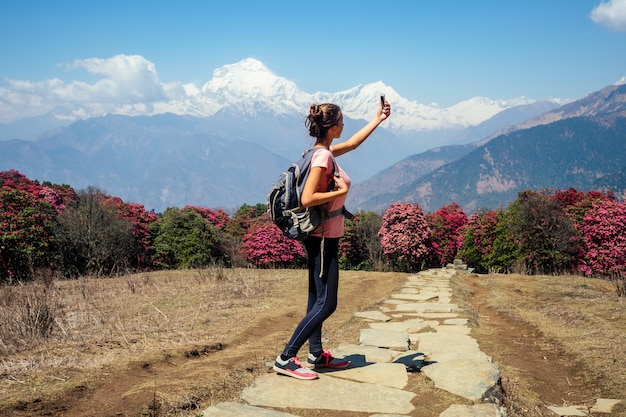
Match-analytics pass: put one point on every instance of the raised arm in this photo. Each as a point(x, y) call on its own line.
point(359, 137)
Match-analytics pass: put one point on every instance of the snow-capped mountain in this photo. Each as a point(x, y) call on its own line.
point(249, 87)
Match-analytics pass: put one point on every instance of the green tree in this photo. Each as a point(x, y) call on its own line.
point(360, 247)
point(92, 239)
point(183, 239)
point(245, 219)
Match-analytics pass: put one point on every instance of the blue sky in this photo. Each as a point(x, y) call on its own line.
point(434, 51)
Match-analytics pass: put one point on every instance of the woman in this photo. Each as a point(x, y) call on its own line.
point(325, 123)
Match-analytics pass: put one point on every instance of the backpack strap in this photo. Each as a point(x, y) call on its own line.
point(343, 210)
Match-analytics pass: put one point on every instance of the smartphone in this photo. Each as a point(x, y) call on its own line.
point(382, 101)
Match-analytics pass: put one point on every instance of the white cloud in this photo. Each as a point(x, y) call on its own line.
point(611, 13)
point(124, 80)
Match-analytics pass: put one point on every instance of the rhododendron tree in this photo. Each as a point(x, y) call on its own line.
point(265, 246)
point(57, 195)
point(604, 231)
point(26, 234)
point(404, 236)
point(446, 234)
point(480, 234)
point(218, 218)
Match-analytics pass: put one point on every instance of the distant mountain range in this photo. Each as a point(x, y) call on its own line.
point(224, 144)
point(581, 145)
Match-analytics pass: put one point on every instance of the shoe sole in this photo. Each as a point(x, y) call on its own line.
point(294, 375)
point(320, 366)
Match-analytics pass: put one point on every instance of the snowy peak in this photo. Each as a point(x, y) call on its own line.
point(249, 82)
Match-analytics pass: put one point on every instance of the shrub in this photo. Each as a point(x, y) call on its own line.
point(265, 246)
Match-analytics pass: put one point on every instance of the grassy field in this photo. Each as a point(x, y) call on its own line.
point(174, 342)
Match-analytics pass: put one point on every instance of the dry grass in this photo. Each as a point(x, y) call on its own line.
point(197, 336)
point(578, 321)
point(143, 314)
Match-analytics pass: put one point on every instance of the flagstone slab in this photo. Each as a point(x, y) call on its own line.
point(476, 410)
point(604, 405)
point(433, 344)
point(429, 315)
point(427, 307)
point(403, 326)
point(392, 375)
point(384, 338)
point(396, 302)
point(472, 378)
point(241, 410)
point(387, 415)
point(457, 321)
point(416, 297)
point(273, 390)
point(373, 315)
point(369, 353)
point(446, 328)
point(567, 411)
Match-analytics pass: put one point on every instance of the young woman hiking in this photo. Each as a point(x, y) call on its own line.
point(325, 123)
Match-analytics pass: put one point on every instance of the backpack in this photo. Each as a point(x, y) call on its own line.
point(284, 205)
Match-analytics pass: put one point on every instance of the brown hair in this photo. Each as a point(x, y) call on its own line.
point(321, 118)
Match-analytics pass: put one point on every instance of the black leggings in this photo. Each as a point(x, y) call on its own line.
point(322, 300)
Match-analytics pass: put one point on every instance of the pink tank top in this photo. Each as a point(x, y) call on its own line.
point(333, 227)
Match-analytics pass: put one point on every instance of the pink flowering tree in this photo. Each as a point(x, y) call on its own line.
point(603, 228)
point(264, 246)
point(480, 234)
point(447, 226)
point(404, 236)
point(26, 234)
point(218, 218)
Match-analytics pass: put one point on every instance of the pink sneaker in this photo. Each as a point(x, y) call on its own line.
point(327, 360)
point(292, 367)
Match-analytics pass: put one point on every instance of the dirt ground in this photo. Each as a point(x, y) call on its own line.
point(184, 380)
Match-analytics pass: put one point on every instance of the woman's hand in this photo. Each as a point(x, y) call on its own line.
point(384, 111)
point(340, 184)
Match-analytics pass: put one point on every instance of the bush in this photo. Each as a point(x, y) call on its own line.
point(28, 313)
point(265, 246)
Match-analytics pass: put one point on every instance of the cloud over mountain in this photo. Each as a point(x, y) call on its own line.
point(130, 85)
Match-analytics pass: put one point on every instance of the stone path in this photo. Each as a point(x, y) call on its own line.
point(418, 331)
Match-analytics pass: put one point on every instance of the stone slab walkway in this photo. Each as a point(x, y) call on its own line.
point(416, 330)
